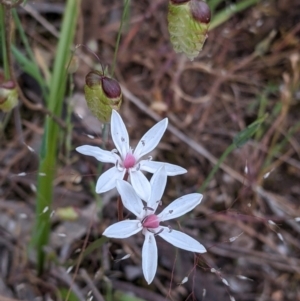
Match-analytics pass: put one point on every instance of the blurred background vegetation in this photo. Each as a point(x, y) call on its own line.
point(247, 73)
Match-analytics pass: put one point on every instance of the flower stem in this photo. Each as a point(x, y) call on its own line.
point(120, 208)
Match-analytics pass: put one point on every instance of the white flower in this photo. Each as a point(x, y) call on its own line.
point(129, 161)
point(149, 223)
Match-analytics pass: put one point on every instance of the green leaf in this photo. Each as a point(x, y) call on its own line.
point(243, 136)
point(95, 245)
point(64, 294)
point(29, 67)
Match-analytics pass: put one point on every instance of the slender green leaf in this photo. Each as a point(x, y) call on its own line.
point(243, 136)
point(50, 139)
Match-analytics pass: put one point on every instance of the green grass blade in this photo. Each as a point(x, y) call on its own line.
point(240, 139)
point(124, 17)
point(30, 68)
point(3, 44)
point(22, 34)
point(229, 11)
point(51, 134)
point(213, 4)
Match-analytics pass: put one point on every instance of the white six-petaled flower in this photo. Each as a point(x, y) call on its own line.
point(149, 223)
point(130, 161)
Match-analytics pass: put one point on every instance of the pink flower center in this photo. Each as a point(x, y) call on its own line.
point(151, 221)
point(129, 161)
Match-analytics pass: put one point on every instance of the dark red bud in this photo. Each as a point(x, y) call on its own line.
point(8, 85)
point(200, 11)
point(111, 87)
point(179, 1)
point(93, 78)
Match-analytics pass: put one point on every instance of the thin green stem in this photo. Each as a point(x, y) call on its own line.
point(3, 43)
point(125, 11)
point(68, 142)
point(213, 4)
point(29, 65)
point(22, 34)
point(229, 11)
point(105, 130)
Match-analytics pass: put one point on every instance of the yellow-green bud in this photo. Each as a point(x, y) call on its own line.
point(188, 22)
point(8, 96)
point(102, 94)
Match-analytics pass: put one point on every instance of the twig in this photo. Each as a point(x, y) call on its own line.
point(255, 257)
point(36, 15)
point(91, 284)
point(62, 275)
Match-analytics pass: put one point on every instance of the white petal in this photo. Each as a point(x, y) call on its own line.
point(180, 206)
point(98, 153)
point(149, 257)
point(119, 134)
point(130, 199)
point(153, 166)
point(140, 184)
point(150, 140)
point(123, 229)
point(107, 180)
point(158, 183)
point(181, 240)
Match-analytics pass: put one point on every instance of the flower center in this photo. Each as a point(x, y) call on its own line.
point(129, 161)
point(151, 221)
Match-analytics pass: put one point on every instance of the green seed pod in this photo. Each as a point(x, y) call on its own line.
point(102, 94)
point(8, 96)
point(188, 22)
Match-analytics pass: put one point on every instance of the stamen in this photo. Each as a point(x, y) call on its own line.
point(148, 208)
point(159, 202)
point(119, 166)
point(161, 230)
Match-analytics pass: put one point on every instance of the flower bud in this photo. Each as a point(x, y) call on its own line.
point(8, 96)
point(93, 79)
point(102, 94)
point(200, 11)
point(188, 23)
point(111, 87)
